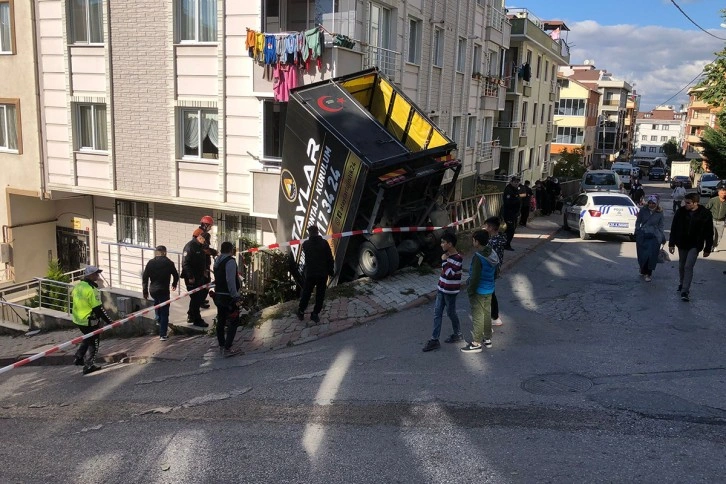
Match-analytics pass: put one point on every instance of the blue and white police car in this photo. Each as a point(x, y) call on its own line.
point(595, 213)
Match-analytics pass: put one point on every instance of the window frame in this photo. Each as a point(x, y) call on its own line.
point(437, 48)
point(564, 135)
point(245, 226)
point(87, 23)
point(471, 132)
point(197, 24)
point(18, 126)
point(267, 158)
point(456, 129)
point(181, 132)
point(11, 12)
point(415, 40)
point(134, 209)
point(94, 128)
point(461, 55)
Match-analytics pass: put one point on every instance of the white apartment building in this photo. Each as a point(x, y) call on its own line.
point(655, 128)
point(156, 115)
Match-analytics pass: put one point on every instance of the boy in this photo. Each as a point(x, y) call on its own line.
point(480, 289)
point(448, 288)
point(497, 241)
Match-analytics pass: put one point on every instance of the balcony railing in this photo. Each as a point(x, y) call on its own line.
point(553, 85)
point(496, 18)
point(491, 86)
point(387, 60)
point(507, 124)
point(522, 130)
point(549, 126)
point(486, 150)
point(611, 102)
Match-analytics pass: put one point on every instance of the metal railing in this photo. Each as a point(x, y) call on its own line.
point(387, 60)
point(523, 129)
point(549, 126)
point(469, 207)
point(495, 18)
point(126, 262)
point(13, 313)
point(55, 295)
point(6, 274)
point(486, 149)
point(491, 86)
point(507, 124)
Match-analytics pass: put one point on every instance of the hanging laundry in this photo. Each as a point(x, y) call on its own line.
point(285, 78)
point(290, 49)
point(315, 42)
point(260, 47)
point(250, 42)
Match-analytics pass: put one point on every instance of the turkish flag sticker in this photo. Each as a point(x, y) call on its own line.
point(327, 103)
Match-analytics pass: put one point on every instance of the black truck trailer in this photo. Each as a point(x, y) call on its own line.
point(357, 155)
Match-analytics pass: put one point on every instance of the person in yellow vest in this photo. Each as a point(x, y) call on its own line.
point(88, 314)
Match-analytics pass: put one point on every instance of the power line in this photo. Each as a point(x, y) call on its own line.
point(694, 22)
point(683, 88)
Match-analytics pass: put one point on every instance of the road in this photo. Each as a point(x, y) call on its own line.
point(596, 376)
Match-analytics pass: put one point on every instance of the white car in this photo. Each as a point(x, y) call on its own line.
point(601, 213)
point(707, 184)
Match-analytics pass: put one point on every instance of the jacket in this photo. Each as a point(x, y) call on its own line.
point(194, 262)
point(318, 258)
point(226, 280)
point(450, 277)
point(717, 208)
point(650, 223)
point(482, 269)
point(160, 270)
point(511, 203)
point(87, 304)
point(692, 230)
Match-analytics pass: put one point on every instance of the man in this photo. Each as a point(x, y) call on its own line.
point(87, 314)
point(205, 225)
point(319, 265)
point(691, 232)
point(160, 270)
point(511, 209)
point(226, 298)
point(480, 289)
point(194, 268)
point(448, 288)
point(717, 206)
point(525, 195)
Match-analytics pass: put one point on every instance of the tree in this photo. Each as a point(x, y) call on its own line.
point(671, 151)
point(714, 150)
point(570, 165)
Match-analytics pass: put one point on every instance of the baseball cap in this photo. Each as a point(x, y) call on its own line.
point(91, 270)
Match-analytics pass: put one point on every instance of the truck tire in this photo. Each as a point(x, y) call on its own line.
point(373, 262)
point(393, 259)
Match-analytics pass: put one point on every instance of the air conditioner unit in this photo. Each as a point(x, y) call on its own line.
point(5, 251)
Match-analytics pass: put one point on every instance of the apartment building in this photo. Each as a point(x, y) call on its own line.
point(655, 128)
point(575, 119)
point(525, 129)
point(140, 139)
point(611, 136)
point(699, 115)
point(632, 108)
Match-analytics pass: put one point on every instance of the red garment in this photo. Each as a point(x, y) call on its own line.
point(285, 78)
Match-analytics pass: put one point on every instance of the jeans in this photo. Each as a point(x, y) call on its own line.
point(677, 204)
point(447, 301)
point(717, 233)
point(162, 313)
point(481, 316)
point(226, 326)
point(319, 283)
point(93, 343)
point(686, 261)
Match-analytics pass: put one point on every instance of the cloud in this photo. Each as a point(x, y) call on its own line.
point(658, 60)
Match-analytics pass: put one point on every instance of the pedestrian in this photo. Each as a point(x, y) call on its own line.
point(649, 236)
point(691, 232)
point(205, 225)
point(525, 195)
point(539, 196)
point(678, 194)
point(717, 206)
point(480, 289)
point(497, 240)
point(547, 203)
point(511, 208)
point(319, 264)
point(160, 271)
point(88, 314)
point(226, 298)
point(637, 192)
point(448, 288)
point(194, 268)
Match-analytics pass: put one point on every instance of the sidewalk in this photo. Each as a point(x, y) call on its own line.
point(345, 307)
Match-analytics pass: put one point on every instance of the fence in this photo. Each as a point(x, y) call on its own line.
point(125, 264)
point(386, 60)
point(469, 207)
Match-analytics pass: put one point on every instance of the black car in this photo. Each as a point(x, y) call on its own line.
point(686, 180)
point(656, 173)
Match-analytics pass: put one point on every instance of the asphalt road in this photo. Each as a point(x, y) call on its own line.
point(596, 376)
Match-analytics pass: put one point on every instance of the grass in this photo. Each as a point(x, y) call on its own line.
point(343, 290)
point(424, 270)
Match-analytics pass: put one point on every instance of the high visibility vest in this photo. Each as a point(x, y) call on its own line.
point(85, 298)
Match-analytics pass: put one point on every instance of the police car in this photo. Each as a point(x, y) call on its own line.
point(601, 213)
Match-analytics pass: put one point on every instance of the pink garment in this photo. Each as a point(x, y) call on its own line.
point(284, 79)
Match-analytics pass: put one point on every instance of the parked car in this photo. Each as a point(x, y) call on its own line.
point(656, 173)
point(686, 180)
point(600, 180)
point(707, 184)
point(601, 213)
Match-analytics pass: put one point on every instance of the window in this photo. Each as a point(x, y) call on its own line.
point(7, 44)
point(9, 126)
point(660, 149)
point(471, 132)
point(414, 41)
point(546, 69)
point(456, 129)
point(644, 137)
point(664, 138)
point(569, 135)
point(461, 55)
point(476, 61)
point(643, 148)
point(197, 20)
point(541, 115)
point(539, 66)
point(273, 119)
point(673, 138)
point(200, 134)
point(233, 226)
point(91, 127)
point(570, 107)
point(438, 50)
point(86, 21)
point(654, 138)
point(534, 114)
point(132, 223)
point(654, 126)
point(652, 149)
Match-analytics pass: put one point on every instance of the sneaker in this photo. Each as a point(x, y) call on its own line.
point(648, 278)
point(454, 338)
point(314, 317)
point(90, 369)
point(471, 348)
point(487, 343)
point(684, 297)
point(300, 315)
point(432, 344)
point(497, 322)
point(163, 338)
point(201, 323)
point(231, 352)
point(78, 361)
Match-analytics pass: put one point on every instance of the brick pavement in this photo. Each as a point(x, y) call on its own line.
point(355, 303)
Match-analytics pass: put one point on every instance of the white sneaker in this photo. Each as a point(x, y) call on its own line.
point(497, 322)
point(648, 278)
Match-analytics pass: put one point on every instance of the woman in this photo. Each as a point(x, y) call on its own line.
point(679, 194)
point(649, 236)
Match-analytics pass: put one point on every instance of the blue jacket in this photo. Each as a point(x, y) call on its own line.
point(482, 269)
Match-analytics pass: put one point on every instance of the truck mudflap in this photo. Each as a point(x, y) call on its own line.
point(345, 140)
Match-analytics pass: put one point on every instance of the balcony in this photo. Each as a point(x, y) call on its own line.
point(523, 130)
point(387, 60)
point(508, 133)
point(549, 126)
point(611, 102)
point(498, 27)
point(488, 156)
point(693, 139)
point(698, 122)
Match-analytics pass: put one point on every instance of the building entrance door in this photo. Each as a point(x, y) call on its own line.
point(72, 246)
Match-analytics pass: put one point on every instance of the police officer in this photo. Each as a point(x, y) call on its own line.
point(87, 314)
point(205, 225)
point(195, 267)
point(511, 209)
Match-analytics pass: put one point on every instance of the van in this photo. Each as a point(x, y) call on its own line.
point(600, 180)
point(624, 171)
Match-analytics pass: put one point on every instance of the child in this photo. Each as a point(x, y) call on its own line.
point(497, 241)
point(448, 288)
point(480, 289)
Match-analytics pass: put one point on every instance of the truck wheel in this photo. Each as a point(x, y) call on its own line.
point(373, 262)
point(393, 259)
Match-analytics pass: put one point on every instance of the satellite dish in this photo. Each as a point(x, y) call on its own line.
point(587, 62)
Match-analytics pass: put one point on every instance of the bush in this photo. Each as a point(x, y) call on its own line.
point(53, 296)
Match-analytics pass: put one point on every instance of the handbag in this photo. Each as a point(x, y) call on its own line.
point(663, 256)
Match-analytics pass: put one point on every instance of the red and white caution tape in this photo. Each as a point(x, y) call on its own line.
point(108, 327)
point(378, 230)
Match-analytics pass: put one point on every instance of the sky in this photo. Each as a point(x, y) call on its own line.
point(648, 43)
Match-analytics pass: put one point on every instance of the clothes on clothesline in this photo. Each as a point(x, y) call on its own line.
point(286, 48)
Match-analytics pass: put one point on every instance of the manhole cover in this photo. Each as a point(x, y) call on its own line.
point(557, 384)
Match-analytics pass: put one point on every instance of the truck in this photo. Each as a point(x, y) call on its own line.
point(358, 154)
point(624, 169)
point(680, 168)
